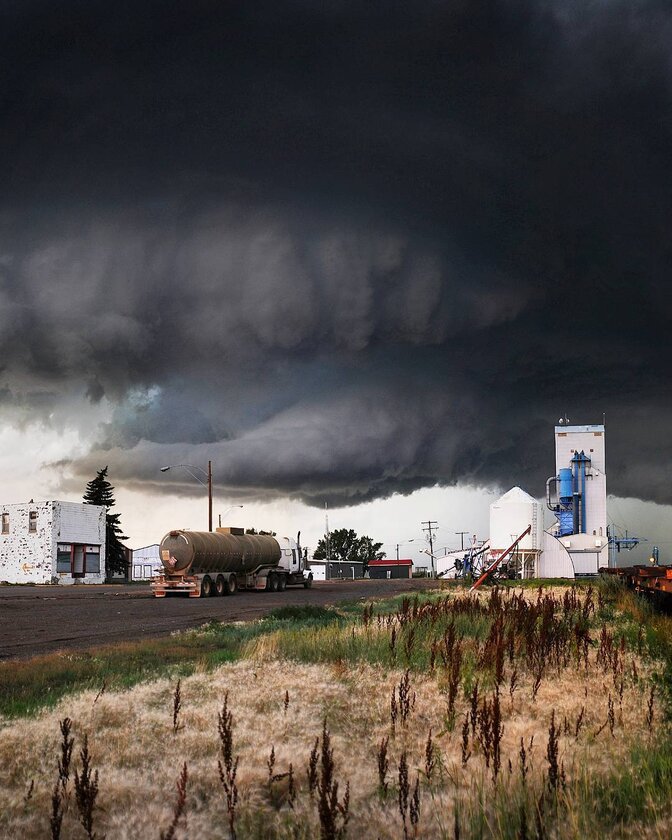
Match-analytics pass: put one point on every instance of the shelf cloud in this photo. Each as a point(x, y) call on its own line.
point(341, 250)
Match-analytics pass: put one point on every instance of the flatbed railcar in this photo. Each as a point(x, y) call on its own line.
point(655, 581)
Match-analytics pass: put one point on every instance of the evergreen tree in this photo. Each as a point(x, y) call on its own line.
point(99, 491)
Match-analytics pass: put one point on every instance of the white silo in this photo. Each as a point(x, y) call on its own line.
point(510, 515)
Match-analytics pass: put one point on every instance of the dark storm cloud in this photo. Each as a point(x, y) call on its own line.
point(341, 249)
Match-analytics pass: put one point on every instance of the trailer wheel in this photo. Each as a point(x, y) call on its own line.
point(308, 582)
point(207, 589)
point(220, 586)
point(282, 583)
point(232, 585)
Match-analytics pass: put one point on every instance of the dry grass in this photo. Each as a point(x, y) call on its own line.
point(139, 752)
point(138, 755)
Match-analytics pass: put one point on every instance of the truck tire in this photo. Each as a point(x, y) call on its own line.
point(207, 589)
point(232, 585)
point(273, 582)
point(220, 586)
point(282, 583)
point(308, 582)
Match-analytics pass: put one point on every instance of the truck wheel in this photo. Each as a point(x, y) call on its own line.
point(207, 589)
point(282, 583)
point(232, 586)
point(273, 582)
point(220, 586)
point(308, 582)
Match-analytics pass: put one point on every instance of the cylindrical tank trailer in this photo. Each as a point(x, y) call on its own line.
point(204, 563)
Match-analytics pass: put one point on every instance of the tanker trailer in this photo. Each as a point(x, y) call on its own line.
point(204, 563)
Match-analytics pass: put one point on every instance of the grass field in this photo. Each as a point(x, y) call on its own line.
point(517, 713)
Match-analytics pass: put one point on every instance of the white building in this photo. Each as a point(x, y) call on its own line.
point(52, 542)
point(146, 562)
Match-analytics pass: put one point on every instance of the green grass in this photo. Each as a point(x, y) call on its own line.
point(308, 633)
point(40, 682)
point(637, 791)
point(634, 793)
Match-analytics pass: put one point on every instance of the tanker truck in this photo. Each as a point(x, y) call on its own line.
point(205, 563)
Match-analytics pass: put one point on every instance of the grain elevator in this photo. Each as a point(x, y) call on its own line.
point(577, 496)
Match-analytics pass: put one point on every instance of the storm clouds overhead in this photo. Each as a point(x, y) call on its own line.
point(341, 249)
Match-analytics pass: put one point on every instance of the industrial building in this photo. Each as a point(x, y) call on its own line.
point(577, 542)
point(390, 568)
point(336, 570)
point(52, 542)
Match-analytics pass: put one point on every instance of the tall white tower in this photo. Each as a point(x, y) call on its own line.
point(577, 495)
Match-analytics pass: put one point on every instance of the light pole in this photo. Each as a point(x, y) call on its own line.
point(228, 510)
point(208, 475)
point(403, 543)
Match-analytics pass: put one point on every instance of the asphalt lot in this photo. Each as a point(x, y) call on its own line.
point(43, 619)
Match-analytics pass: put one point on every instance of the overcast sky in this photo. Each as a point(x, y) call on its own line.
point(358, 254)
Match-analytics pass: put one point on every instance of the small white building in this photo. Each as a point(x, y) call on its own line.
point(52, 542)
point(146, 562)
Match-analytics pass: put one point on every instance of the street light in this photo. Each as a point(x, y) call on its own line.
point(228, 510)
point(208, 475)
point(403, 543)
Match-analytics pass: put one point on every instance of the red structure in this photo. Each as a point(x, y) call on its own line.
point(652, 580)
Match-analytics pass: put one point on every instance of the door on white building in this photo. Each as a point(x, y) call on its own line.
point(78, 561)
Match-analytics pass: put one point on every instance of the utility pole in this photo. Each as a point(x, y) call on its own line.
point(326, 537)
point(431, 524)
point(209, 495)
point(461, 534)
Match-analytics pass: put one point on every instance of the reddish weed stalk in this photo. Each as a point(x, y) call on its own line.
point(86, 791)
point(227, 765)
point(330, 810)
point(60, 793)
point(180, 806)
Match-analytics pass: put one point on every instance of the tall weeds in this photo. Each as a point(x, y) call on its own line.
point(86, 790)
point(227, 765)
point(333, 813)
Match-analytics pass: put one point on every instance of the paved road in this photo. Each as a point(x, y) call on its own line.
point(42, 619)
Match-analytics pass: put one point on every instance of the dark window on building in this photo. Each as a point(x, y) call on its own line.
point(64, 558)
point(92, 565)
point(5, 523)
point(32, 522)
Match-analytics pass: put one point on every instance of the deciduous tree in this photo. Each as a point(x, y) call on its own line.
point(343, 545)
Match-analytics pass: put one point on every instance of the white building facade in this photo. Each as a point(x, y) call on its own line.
point(146, 562)
point(52, 542)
